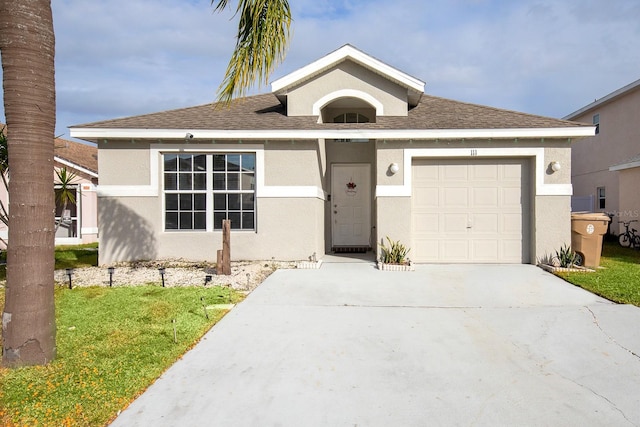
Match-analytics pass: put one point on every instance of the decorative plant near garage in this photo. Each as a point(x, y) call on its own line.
point(566, 257)
point(394, 256)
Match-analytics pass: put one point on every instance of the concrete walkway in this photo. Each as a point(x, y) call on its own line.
point(348, 345)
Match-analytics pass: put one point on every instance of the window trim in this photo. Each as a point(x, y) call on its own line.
point(601, 200)
point(157, 152)
point(78, 216)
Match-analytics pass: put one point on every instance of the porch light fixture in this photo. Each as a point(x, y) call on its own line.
point(394, 168)
point(555, 166)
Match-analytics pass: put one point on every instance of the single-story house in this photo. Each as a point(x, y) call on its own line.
point(79, 222)
point(342, 153)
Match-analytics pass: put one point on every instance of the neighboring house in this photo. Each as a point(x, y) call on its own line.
point(344, 152)
point(606, 167)
point(80, 222)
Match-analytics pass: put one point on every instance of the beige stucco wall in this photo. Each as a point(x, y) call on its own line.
point(630, 203)
point(616, 143)
point(288, 228)
point(347, 75)
point(551, 226)
point(394, 221)
point(123, 163)
point(131, 229)
point(297, 163)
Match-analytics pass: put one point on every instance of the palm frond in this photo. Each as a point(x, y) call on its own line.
point(262, 39)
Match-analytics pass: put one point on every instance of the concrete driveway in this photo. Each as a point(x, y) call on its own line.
point(348, 345)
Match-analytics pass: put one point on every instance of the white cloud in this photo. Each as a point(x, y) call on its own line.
point(125, 57)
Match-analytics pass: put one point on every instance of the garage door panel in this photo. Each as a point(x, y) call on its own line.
point(512, 197)
point(512, 223)
point(512, 250)
point(455, 197)
point(426, 173)
point(469, 210)
point(485, 172)
point(426, 197)
point(429, 250)
point(454, 173)
point(455, 250)
point(485, 197)
point(455, 223)
point(427, 223)
point(485, 249)
point(512, 171)
point(485, 223)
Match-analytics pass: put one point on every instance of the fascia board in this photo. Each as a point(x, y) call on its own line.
point(624, 166)
point(339, 55)
point(390, 134)
point(604, 100)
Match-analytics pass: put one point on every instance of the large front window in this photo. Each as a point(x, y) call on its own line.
point(224, 182)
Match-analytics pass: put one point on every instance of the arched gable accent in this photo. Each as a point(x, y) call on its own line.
point(347, 93)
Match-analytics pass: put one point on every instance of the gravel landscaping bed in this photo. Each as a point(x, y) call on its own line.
point(245, 276)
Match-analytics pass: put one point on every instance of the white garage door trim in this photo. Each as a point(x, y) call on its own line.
point(541, 189)
point(471, 210)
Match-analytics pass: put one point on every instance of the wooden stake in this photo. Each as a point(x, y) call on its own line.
point(219, 262)
point(226, 247)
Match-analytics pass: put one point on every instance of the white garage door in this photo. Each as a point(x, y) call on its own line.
point(470, 211)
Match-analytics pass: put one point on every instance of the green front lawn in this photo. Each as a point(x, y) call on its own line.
point(617, 280)
point(76, 256)
point(112, 344)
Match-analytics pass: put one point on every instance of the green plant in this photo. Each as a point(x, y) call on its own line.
point(112, 344)
point(65, 192)
point(566, 256)
point(619, 278)
point(395, 253)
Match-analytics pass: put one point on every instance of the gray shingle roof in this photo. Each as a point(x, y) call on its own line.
point(264, 112)
point(79, 154)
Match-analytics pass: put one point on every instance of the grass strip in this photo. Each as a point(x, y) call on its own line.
point(617, 280)
point(112, 344)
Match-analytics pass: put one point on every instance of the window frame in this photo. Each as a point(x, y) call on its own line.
point(71, 207)
point(601, 197)
point(596, 122)
point(209, 184)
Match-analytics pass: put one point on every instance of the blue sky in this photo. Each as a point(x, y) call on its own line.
point(118, 58)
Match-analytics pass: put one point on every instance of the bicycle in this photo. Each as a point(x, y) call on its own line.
point(629, 238)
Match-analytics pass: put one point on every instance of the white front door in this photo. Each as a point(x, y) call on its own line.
point(351, 204)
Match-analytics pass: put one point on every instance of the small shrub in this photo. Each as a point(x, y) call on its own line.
point(566, 256)
point(396, 253)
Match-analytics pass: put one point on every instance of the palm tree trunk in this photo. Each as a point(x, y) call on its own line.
point(27, 44)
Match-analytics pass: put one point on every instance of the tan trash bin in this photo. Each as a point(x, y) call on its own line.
point(587, 230)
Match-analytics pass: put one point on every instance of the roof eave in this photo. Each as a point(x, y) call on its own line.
point(203, 135)
point(604, 100)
